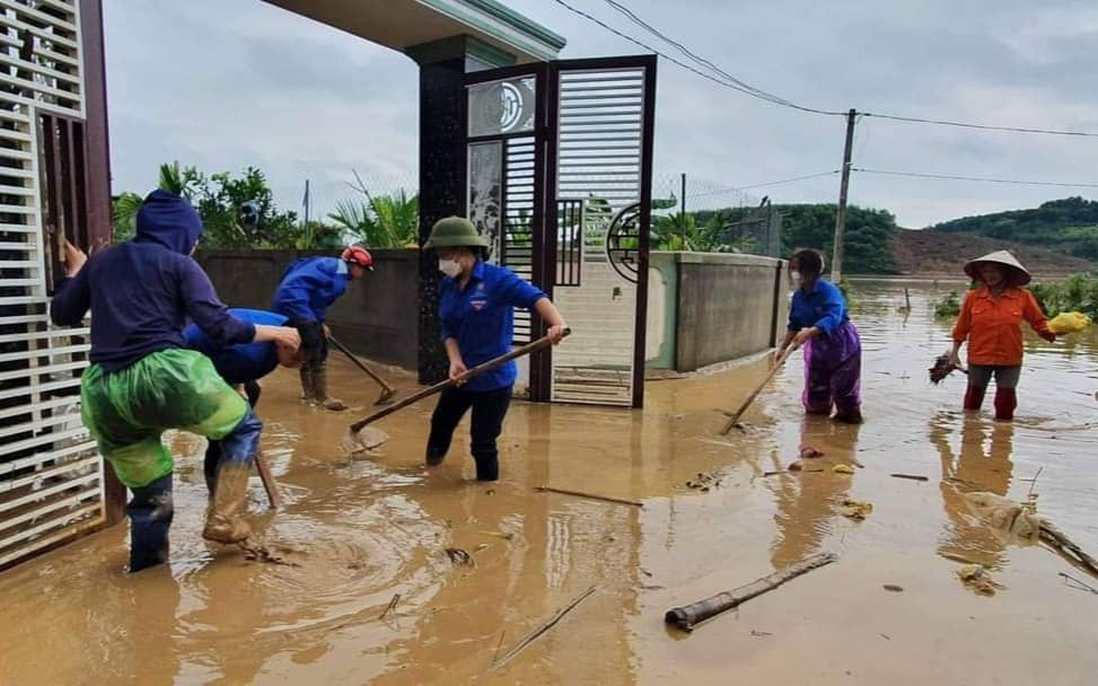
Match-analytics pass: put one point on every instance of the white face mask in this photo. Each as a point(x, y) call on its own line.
point(450, 268)
point(795, 277)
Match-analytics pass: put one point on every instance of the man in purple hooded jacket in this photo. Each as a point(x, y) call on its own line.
point(142, 380)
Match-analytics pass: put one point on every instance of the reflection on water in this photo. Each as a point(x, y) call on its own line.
point(361, 531)
point(981, 464)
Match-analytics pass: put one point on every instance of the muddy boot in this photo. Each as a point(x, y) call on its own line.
point(150, 513)
point(209, 467)
point(1005, 401)
point(435, 455)
point(320, 384)
point(224, 518)
point(487, 468)
point(308, 386)
point(974, 397)
point(849, 416)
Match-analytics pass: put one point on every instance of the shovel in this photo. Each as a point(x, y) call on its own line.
point(386, 390)
point(488, 366)
point(734, 418)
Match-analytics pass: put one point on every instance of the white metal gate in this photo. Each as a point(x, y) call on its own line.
point(51, 478)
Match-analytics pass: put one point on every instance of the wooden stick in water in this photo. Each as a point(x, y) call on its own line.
point(689, 616)
point(592, 496)
point(911, 477)
point(536, 633)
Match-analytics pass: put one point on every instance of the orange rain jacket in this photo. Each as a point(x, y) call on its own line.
point(993, 327)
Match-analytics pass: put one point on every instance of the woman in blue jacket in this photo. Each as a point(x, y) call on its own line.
point(307, 289)
point(476, 310)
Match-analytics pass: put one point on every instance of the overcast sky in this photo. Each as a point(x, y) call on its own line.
point(223, 84)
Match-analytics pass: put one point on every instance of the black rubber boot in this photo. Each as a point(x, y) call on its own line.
point(487, 467)
point(150, 513)
point(435, 455)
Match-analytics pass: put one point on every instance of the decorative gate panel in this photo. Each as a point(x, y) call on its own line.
point(601, 160)
point(51, 478)
point(560, 177)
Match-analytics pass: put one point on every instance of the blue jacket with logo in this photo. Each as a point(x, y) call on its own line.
point(239, 363)
point(481, 319)
point(308, 288)
point(823, 307)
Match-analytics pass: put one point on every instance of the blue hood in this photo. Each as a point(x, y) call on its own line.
point(168, 220)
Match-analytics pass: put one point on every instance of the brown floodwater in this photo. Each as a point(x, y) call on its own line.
point(360, 530)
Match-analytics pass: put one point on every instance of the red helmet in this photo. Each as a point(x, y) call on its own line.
point(359, 256)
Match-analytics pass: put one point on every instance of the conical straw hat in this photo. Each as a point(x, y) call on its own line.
point(1016, 274)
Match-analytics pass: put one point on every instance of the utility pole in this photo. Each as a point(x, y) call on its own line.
point(840, 216)
point(682, 211)
point(307, 199)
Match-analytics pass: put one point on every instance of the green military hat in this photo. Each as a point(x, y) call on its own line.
point(455, 232)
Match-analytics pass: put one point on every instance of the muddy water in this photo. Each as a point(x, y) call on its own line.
point(362, 530)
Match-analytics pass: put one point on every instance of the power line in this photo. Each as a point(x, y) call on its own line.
point(747, 89)
point(983, 127)
point(973, 178)
point(734, 84)
point(730, 189)
point(764, 95)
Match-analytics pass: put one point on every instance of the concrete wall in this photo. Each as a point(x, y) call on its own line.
point(376, 318)
point(717, 307)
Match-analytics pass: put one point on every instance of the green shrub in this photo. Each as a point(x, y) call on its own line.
point(949, 306)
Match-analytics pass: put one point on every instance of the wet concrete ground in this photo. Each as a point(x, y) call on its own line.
point(362, 530)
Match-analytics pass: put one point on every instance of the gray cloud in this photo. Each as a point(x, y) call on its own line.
point(224, 85)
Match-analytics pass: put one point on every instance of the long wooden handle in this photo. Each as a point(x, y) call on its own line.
point(735, 418)
point(358, 363)
point(488, 366)
point(269, 484)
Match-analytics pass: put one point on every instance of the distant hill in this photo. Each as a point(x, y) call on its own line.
point(1069, 226)
point(934, 253)
point(1053, 239)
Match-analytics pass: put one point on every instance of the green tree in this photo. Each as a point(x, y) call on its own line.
point(381, 221)
point(124, 209)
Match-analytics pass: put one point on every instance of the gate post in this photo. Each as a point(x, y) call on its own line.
point(443, 186)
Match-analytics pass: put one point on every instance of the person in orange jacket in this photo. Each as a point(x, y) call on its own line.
point(990, 321)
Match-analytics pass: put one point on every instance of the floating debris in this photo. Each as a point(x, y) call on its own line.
point(808, 451)
point(842, 469)
point(910, 477)
point(895, 588)
point(460, 557)
point(977, 578)
point(260, 553)
point(704, 482)
point(855, 509)
point(391, 606)
point(505, 535)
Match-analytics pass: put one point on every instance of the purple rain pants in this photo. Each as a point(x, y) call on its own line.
point(833, 374)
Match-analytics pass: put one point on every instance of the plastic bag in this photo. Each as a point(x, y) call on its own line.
point(1068, 322)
